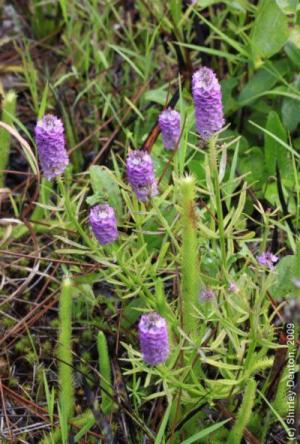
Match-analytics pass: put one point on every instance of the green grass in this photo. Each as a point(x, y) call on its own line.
point(108, 68)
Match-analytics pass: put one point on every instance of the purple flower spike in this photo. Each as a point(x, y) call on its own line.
point(207, 97)
point(50, 140)
point(206, 294)
point(169, 122)
point(154, 341)
point(104, 224)
point(267, 259)
point(140, 174)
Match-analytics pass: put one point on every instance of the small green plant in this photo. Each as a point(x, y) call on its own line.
point(105, 374)
point(8, 114)
point(50, 397)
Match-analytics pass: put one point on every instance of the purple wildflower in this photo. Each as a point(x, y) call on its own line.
point(206, 294)
point(267, 259)
point(169, 122)
point(233, 288)
point(140, 174)
point(154, 341)
point(207, 97)
point(104, 224)
point(50, 140)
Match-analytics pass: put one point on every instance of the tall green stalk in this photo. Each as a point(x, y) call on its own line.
point(214, 171)
point(244, 414)
point(105, 371)
point(64, 354)
point(190, 259)
point(280, 402)
point(8, 113)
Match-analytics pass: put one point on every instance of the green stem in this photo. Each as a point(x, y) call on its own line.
point(213, 163)
point(190, 260)
point(140, 235)
point(105, 371)
point(244, 414)
point(64, 353)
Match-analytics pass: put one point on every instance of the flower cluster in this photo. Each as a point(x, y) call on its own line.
point(207, 97)
point(50, 140)
point(169, 122)
point(104, 224)
point(267, 259)
point(154, 341)
point(49, 135)
point(140, 174)
point(206, 294)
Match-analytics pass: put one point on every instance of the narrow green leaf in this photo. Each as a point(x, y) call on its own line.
point(264, 79)
point(128, 58)
point(8, 112)
point(284, 425)
point(163, 425)
point(232, 42)
point(205, 432)
point(211, 51)
point(285, 145)
point(176, 10)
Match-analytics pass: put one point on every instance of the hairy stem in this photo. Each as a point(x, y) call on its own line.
point(190, 260)
point(213, 163)
point(105, 371)
point(244, 414)
point(64, 353)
